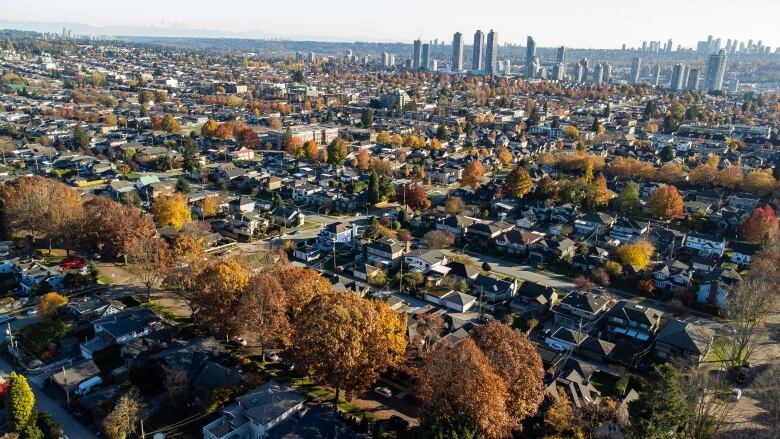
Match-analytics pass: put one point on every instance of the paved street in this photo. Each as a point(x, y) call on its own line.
point(43, 403)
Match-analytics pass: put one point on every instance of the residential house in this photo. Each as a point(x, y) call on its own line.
point(714, 289)
point(90, 308)
point(493, 289)
point(120, 328)
point(533, 300)
point(633, 323)
point(594, 222)
point(288, 216)
point(458, 225)
point(337, 233)
point(679, 339)
point(579, 308)
point(385, 252)
point(744, 200)
point(486, 233)
point(454, 300)
point(743, 253)
point(255, 414)
point(629, 230)
point(672, 275)
point(706, 244)
point(517, 242)
point(425, 260)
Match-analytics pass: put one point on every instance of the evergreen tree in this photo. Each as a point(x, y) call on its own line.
point(367, 118)
point(183, 186)
point(191, 155)
point(373, 196)
point(80, 137)
point(19, 402)
point(442, 133)
point(628, 201)
point(276, 199)
point(662, 410)
point(667, 154)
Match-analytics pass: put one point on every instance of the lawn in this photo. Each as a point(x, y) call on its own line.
point(168, 314)
point(317, 391)
point(721, 348)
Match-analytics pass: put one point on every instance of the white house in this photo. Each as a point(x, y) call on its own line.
point(706, 244)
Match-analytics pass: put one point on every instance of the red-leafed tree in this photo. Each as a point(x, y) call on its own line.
point(413, 195)
point(760, 226)
point(246, 136)
point(666, 203)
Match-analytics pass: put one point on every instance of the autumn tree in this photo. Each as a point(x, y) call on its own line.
point(19, 402)
point(337, 152)
point(637, 254)
point(383, 138)
point(150, 260)
point(730, 177)
point(413, 195)
point(363, 160)
point(209, 206)
point(559, 417)
point(51, 303)
point(246, 136)
point(572, 133)
point(761, 226)
point(209, 129)
point(515, 359)
point(518, 182)
point(113, 228)
point(504, 156)
point(454, 206)
point(294, 148)
point(265, 307)
point(460, 381)
point(472, 174)
point(346, 342)
point(187, 261)
point(439, 239)
point(122, 421)
point(171, 210)
point(759, 181)
point(171, 124)
point(311, 150)
point(666, 203)
point(669, 173)
point(219, 290)
point(300, 285)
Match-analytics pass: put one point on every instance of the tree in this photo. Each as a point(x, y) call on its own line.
point(637, 253)
point(628, 201)
point(600, 193)
point(208, 207)
point(367, 118)
point(768, 394)
point(666, 203)
point(583, 283)
point(190, 156)
point(413, 195)
point(19, 403)
point(170, 124)
point(662, 411)
point(112, 228)
point(669, 173)
point(439, 239)
point(171, 210)
point(219, 290)
point(209, 129)
point(709, 412)
point(572, 133)
point(294, 148)
point(372, 196)
point(515, 359)
point(504, 156)
point(518, 182)
point(150, 261)
point(460, 381)
point(454, 206)
point(759, 181)
point(613, 268)
point(311, 150)
point(110, 120)
point(337, 152)
point(363, 160)
point(266, 309)
point(383, 138)
point(121, 422)
point(559, 417)
point(442, 133)
point(600, 276)
point(51, 303)
point(300, 286)
point(761, 226)
point(346, 342)
point(668, 153)
point(472, 174)
point(246, 136)
point(81, 138)
point(183, 186)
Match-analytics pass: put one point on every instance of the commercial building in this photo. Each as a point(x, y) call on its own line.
point(491, 53)
point(457, 52)
point(636, 68)
point(417, 55)
point(477, 58)
point(716, 70)
point(530, 54)
point(426, 57)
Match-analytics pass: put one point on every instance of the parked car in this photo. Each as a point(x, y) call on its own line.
point(384, 391)
point(736, 393)
point(239, 341)
point(32, 312)
point(271, 355)
point(557, 346)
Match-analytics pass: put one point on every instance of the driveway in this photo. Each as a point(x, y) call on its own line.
point(44, 404)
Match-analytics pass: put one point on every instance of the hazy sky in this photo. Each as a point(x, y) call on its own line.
point(576, 23)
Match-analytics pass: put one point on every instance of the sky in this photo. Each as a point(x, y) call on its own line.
point(575, 23)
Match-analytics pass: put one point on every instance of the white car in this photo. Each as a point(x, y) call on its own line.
point(736, 394)
point(239, 341)
point(384, 391)
point(557, 346)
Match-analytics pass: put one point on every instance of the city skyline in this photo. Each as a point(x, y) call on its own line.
point(345, 20)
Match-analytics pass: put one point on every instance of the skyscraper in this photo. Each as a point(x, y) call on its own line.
point(561, 58)
point(693, 80)
point(716, 69)
point(457, 52)
point(607, 69)
point(478, 57)
point(677, 77)
point(530, 53)
point(491, 52)
point(636, 68)
point(559, 71)
point(656, 75)
point(416, 55)
point(598, 74)
point(578, 72)
point(426, 57)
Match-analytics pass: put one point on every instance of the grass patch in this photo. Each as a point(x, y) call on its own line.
point(317, 391)
point(721, 347)
point(169, 315)
point(102, 279)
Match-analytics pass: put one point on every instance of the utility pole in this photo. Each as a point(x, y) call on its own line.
point(143, 434)
point(67, 391)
